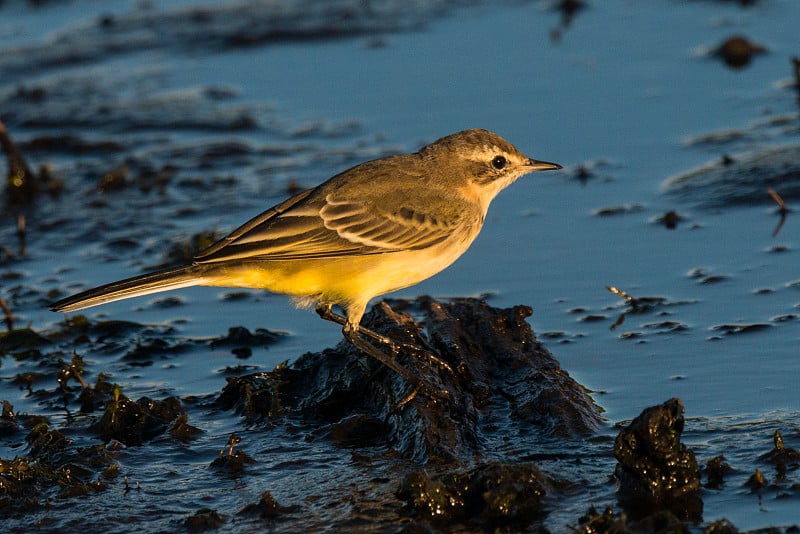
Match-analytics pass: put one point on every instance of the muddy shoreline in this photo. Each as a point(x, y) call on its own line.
point(135, 135)
point(466, 462)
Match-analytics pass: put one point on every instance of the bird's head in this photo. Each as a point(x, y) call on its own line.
point(487, 161)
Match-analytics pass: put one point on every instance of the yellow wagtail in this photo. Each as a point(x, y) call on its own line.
point(381, 226)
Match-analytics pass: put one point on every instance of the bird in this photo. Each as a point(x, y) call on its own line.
point(378, 227)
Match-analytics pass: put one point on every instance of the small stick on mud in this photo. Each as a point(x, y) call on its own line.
point(778, 200)
point(620, 293)
point(782, 209)
point(637, 304)
point(71, 370)
point(796, 69)
point(7, 312)
point(233, 440)
point(631, 301)
point(76, 373)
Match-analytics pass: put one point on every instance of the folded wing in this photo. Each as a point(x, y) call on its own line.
point(312, 225)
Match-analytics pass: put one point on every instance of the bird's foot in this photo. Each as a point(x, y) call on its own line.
point(395, 347)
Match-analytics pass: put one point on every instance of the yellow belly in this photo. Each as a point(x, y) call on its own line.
point(347, 281)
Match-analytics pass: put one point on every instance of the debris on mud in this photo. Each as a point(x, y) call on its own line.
point(738, 51)
point(655, 470)
point(491, 496)
point(784, 458)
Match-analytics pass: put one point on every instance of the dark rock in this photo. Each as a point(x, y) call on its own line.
point(8, 420)
point(782, 456)
point(230, 460)
point(655, 470)
point(498, 371)
point(501, 355)
point(622, 209)
point(253, 396)
point(490, 496)
point(738, 51)
point(54, 467)
point(133, 423)
point(358, 430)
point(732, 329)
point(241, 337)
point(594, 522)
point(266, 508)
point(234, 463)
point(610, 523)
point(144, 353)
point(21, 339)
point(45, 442)
point(95, 397)
point(670, 219)
point(181, 430)
point(756, 481)
point(71, 144)
point(114, 180)
point(716, 470)
point(203, 520)
point(796, 74)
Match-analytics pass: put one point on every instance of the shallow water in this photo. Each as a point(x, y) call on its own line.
point(625, 92)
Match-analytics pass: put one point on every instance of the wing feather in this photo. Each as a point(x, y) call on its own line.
point(314, 224)
point(369, 225)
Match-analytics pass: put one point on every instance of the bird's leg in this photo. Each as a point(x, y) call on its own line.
point(351, 334)
point(327, 313)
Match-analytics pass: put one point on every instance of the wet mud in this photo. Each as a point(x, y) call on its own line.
point(497, 372)
point(475, 459)
point(108, 423)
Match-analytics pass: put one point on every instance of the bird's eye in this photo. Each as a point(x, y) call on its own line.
point(499, 163)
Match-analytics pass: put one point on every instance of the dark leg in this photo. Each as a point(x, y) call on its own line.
point(394, 347)
point(327, 313)
point(364, 346)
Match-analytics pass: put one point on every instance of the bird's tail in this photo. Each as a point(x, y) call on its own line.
point(186, 276)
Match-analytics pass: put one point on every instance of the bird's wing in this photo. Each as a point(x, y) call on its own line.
point(326, 225)
point(388, 226)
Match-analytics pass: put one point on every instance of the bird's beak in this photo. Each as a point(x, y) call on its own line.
point(542, 165)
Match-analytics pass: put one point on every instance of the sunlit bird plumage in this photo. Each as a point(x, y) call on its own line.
point(375, 228)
